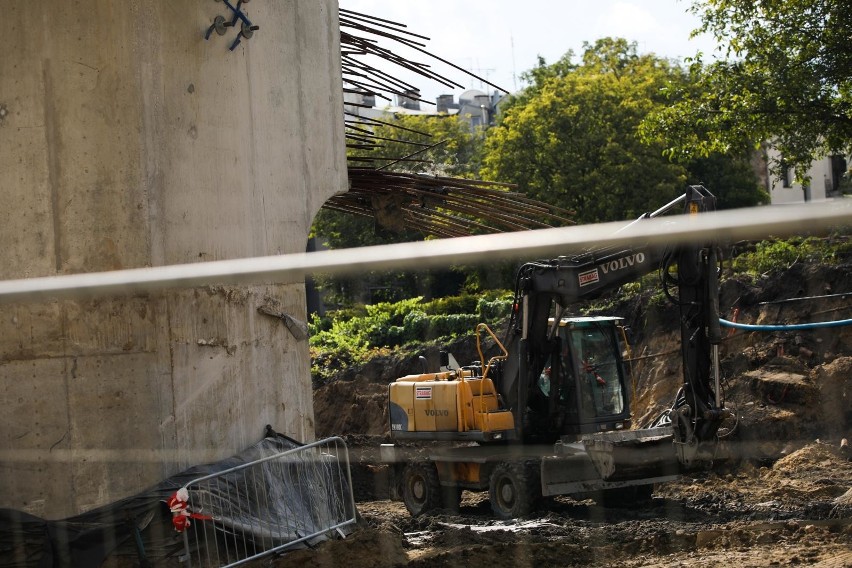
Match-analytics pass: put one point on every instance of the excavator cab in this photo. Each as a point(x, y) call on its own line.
point(583, 384)
point(599, 375)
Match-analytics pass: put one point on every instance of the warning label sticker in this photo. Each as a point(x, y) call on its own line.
point(421, 393)
point(589, 277)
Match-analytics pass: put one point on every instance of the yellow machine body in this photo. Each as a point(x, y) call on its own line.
point(447, 402)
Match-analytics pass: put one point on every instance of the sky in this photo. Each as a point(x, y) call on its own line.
point(500, 39)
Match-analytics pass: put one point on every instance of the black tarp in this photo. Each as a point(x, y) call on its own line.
point(138, 526)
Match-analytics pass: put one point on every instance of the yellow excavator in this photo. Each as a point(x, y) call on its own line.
point(549, 414)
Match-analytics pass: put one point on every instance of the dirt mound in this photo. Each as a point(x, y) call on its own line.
point(813, 457)
point(843, 505)
point(358, 406)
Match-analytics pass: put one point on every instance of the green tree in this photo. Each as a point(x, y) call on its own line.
point(537, 77)
point(730, 177)
point(449, 147)
point(573, 140)
point(786, 79)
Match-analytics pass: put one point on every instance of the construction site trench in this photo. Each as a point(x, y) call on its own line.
point(785, 498)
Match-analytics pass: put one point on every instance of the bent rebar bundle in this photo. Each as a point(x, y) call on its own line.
point(433, 205)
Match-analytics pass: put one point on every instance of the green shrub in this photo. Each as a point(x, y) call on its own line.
point(352, 336)
point(773, 256)
point(491, 310)
point(415, 326)
point(451, 325)
point(465, 304)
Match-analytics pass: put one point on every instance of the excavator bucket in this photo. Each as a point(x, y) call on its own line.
point(633, 454)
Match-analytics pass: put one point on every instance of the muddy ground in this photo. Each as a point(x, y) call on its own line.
point(787, 514)
point(785, 497)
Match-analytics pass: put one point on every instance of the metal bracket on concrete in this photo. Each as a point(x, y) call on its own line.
point(296, 327)
point(220, 24)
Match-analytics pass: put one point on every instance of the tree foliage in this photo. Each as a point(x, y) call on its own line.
point(730, 177)
point(573, 141)
point(787, 80)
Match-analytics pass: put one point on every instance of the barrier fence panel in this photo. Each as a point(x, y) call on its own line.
point(270, 504)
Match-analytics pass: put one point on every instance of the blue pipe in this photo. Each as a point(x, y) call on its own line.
point(814, 325)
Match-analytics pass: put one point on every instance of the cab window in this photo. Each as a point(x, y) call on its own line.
point(597, 370)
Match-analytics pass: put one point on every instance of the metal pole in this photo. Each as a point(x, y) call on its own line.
point(186, 548)
point(715, 354)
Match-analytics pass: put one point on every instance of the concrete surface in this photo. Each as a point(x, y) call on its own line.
point(127, 140)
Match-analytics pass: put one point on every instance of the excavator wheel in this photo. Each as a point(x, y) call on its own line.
point(421, 491)
point(514, 489)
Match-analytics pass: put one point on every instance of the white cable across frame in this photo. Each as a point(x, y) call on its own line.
point(721, 226)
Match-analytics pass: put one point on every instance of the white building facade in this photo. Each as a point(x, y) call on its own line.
point(825, 177)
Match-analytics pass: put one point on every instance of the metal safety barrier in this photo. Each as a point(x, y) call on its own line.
point(267, 505)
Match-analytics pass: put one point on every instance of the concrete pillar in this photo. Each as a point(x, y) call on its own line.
point(127, 140)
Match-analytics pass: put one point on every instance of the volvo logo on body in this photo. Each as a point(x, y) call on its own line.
point(431, 412)
point(623, 262)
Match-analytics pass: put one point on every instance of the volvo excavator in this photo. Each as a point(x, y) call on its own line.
point(550, 413)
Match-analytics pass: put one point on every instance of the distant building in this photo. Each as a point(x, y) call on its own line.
point(410, 100)
point(474, 107)
point(825, 177)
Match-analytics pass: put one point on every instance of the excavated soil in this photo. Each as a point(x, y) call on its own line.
point(784, 498)
point(795, 512)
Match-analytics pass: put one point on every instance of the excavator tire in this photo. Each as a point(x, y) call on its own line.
point(421, 491)
point(514, 489)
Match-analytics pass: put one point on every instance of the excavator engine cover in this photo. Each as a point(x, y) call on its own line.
point(423, 406)
point(443, 406)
